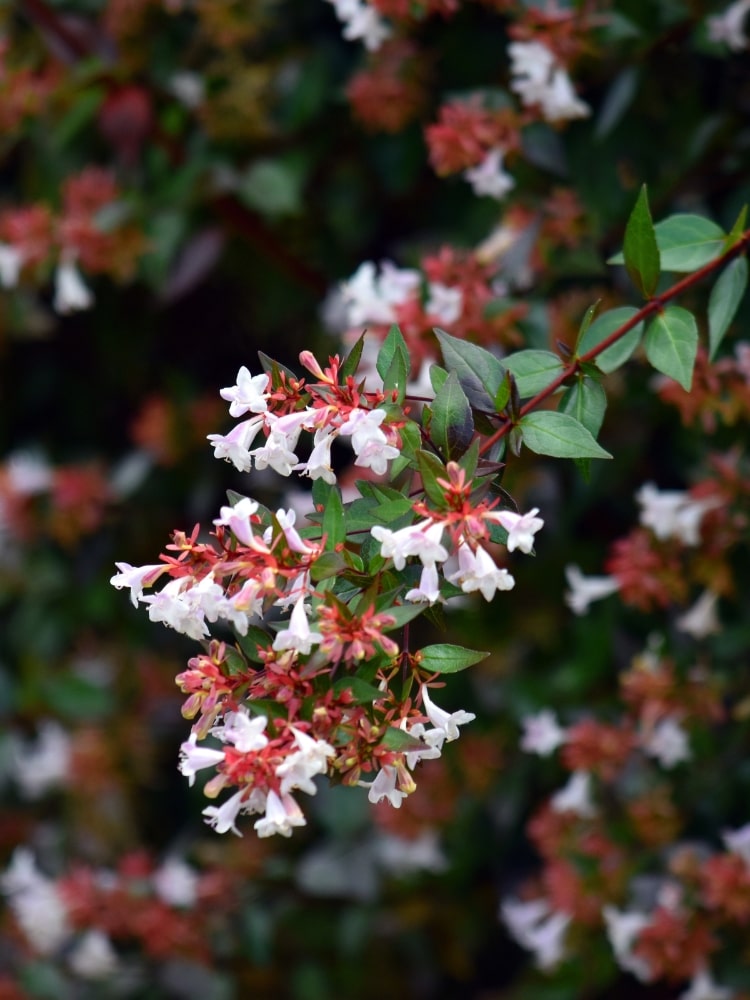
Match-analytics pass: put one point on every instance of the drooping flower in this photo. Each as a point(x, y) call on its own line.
point(667, 742)
point(542, 733)
point(282, 814)
point(477, 570)
point(585, 589)
point(537, 927)
point(488, 177)
point(521, 528)
point(575, 796)
point(298, 636)
point(447, 721)
point(71, 293)
point(194, 758)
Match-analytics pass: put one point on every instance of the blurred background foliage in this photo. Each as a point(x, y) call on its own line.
point(246, 190)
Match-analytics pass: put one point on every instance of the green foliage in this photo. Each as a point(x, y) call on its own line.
point(671, 343)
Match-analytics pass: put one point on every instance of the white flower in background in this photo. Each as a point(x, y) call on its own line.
point(370, 298)
point(194, 758)
point(35, 903)
point(249, 395)
point(538, 928)
point(672, 513)
point(575, 796)
point(176, 882)
point(623, 928)
point(585, 589)
point(402, 855)
point(29, 473)
point(667, 742)
point(188, 88)
point(11, 261)
point(444, 302)
point(93, 956)
point(521, 528)
point(71, 293)
point(704, 987)
point(538, 79)
point(361, 21)
point(728, 28)
point(282, 815)
point(738, 842)
point(43, 764)
point(542, 733)
point(488, 177)
point(447, 721)
point(701, 619)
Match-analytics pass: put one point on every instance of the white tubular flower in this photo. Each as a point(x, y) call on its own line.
point(384, 787)
point(538, 79)
point(243, 731)
point(287, 520)
point(704, 987)
point(11, 261)
point(71, 294)
point(585, 589)
point(447, 721)
point(521, 528)
point(539, 928)
point(301, 766)
point(478, 571)
point(444, 302)
point(223, 818)
point(194, 758)
point(575, 796)
point(29, 473)
point(623, 928)
point(44, 764)
point(428, 590)
point(238, 519)
point(729, 28)
point(136, 578)
point(36, 904)
point(542, 733)
point(276, 454)
point(318, 465)
point(422, 539)
point(701, 619)
point(298, 636)
point(249, 395)
point(489, 178)
point(282, 814)
point(667, 742)
point(234, 447)
point(432, 740)
point(371, 298)
point(93, 956)
point(672, 513)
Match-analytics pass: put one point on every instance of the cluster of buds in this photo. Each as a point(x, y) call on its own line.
point(315, 683)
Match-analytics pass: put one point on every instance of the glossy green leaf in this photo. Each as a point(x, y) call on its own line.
point(671, 344)
point(586, 400)
point(533, 370)
point(640, 252)
point(724, 301)
point(735, 233)
point(351, 362)
point(393, 345)
point(253, 640)
point(334, 525)
point(431, 469)
point(479, 373)
point(559, 435)
point(362, 691)
point(400, 741)
point(687, 242)
point(604, 325)
point(444, 658)
point(452, 425)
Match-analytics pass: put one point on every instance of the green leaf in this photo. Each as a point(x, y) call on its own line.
point(735, 233)
point(254, 640)
point(616, 101)
point(334, 525)
point(479, 373)
point(687, 242)
point(640, 251)
point(328, 565)
point(393, 344)
point(533, 370)
point(361, 690)
point(559, 435)
point(272, 367)
point(400, 741)
point(403, 614)
point(438, 376)
point(452, 426)
point(724, 301)
point(351, 362)
point(606, 324)
point(671, 344)
point(586, 401)
point(272, 187)
point(431, 469)
point(446, 659)
point(411, 440)
point(588, 319)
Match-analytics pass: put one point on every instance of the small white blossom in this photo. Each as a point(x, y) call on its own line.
point(701, 619)
point(444, 302)
point(239, 519)
point(477, 571)
point(71, 294)
point(136, 578)
point(29, 473)
point(176, 882)
point(667, 742)
point(738, 842)
point(672, 513)
point(361, 21)
point(194, 758)
point(224, 817)
point(585, 589)
point(299, 635)
point(282, 814)
point(428, 590)
point(43, 764)
point(729, 28)
point(542, 733)
point(371, 298)
point(35, 903)
point(318, 465)
point(538, 79)
point(422, 539)
point(538, 928)
point(234, 447)
point(402, 855)
point(488, 177)
point(311, 758)
point(249, 395)
point(623, 928)
point(93, 956)
point(384, 787)
point(704, 987)
point(11, 261)
point(447, 721)
point(521, 528)
point(575, 796)
point(243, 731)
